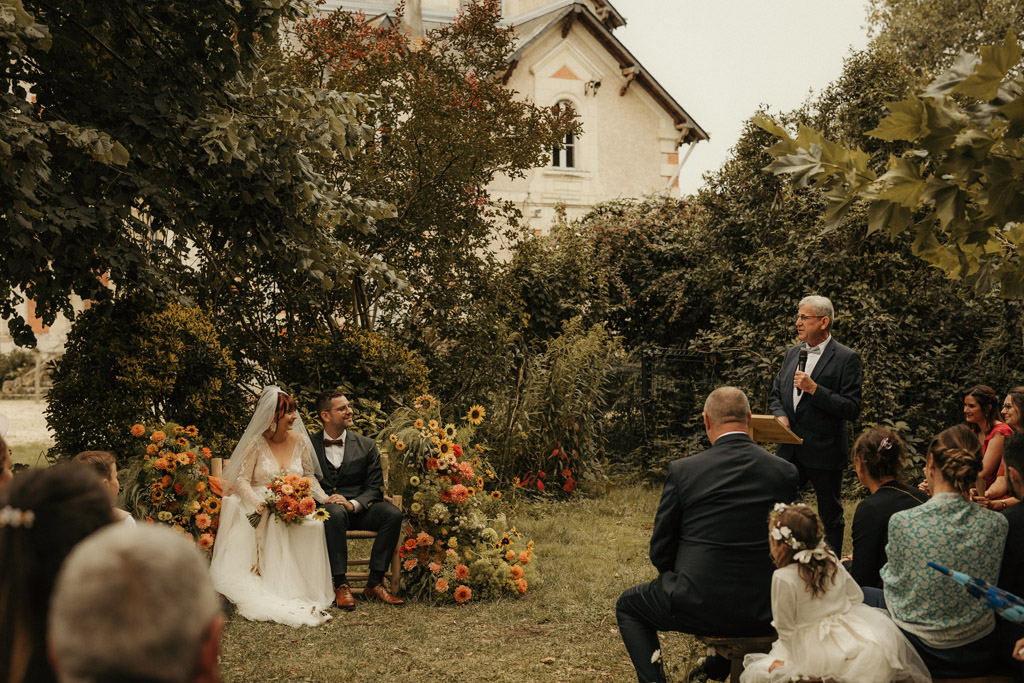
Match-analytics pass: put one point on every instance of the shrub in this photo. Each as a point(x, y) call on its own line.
point(125, 364)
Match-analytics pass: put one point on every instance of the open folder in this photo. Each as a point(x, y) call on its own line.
point(768, 428)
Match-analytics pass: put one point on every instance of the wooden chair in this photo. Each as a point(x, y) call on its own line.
point(734, 649)
point(394, 574)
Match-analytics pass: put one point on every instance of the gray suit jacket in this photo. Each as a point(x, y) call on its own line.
point(360, 477)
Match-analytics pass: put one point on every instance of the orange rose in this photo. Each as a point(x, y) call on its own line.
point(463, 594)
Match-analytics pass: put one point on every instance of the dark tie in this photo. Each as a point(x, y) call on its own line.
point(333, 442)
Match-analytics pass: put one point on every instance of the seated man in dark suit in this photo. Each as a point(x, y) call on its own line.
point(1011, 574)
point(354, 482)
point(710, 540)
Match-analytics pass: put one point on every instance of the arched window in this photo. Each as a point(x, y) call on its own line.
point(564, 156)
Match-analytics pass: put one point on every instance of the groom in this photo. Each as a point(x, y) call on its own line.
point(354, 482)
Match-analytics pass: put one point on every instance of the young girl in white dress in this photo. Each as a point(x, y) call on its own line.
point(825, 630)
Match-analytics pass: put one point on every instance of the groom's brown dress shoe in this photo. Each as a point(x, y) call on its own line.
point(343, 597)
point(379, 592)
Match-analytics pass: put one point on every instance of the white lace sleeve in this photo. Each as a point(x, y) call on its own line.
point(243, 483)
point(309, 471)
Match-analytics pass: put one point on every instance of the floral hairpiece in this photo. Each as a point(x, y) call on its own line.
point(884, 445)
point(13, 517)
point(784, 534)
point(777, 510)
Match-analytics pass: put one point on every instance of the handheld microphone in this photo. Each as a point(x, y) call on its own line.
point(801, 365)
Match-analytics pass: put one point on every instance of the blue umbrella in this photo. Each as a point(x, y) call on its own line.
point(1006, 605)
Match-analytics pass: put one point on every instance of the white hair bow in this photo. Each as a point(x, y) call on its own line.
point(819, 552)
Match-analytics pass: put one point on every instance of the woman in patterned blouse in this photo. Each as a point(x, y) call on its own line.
point(952, 631)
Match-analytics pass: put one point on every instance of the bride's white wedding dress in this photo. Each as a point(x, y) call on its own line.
point(293, 583)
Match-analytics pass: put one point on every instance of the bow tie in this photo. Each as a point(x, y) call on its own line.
point(813, 350)
point(334, 442)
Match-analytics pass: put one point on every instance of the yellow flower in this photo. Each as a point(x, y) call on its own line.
point(449, 430)
point(416, 507)
point(193, 507)
point(138, 430)
point(476, 415)
point(321, 514)
point(399, 445)
point(192, 431)
point(496, 495)
point(393, 438)
point(418, 424)
point(453, 542)
point(164, 516)
point(479, 482)
point(489, 473)
point(471, 491)
point(433, 425)
point(424, 403)
point(414, 480)
point(444, 448)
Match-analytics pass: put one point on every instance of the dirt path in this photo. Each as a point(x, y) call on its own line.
point(26, 422)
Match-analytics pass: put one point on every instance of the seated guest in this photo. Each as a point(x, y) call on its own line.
point(5, 464)
point(998, 496)
point(952, 630)
point(105, 465)
point(43, 515)
point(1011, 576)
point(981, 412)
point(877, 455)
point(708, 543)
point(135, 604)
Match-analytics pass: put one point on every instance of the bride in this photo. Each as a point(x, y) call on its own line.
point(275, 572)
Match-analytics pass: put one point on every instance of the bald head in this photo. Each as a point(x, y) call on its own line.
point(726, 409)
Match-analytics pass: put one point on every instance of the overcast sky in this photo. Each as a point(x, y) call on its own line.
point(721, 59)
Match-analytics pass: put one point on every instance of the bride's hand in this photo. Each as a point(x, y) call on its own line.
point(260, 508)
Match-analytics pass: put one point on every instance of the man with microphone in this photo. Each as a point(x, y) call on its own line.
point(817, 390)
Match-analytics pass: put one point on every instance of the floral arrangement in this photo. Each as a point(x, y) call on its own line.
point(458, 545)
point(289, 500)
point(168, 482)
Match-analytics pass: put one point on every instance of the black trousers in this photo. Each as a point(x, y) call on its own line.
point(382, 517)
point(828, 487)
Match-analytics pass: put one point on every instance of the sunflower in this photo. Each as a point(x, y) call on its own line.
point(503, 541)
point(449, 430)
point(476, 415)
point(496, 495)
point(433, 425)
point(418, 424)
point(394, 438)
point(212, 505)
point(444, 448)
point(321, 514)
point(425, 403)
point(399, 445)
point(480, 483)
point(192, 431)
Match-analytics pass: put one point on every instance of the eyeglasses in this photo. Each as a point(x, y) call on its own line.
point(804, 318)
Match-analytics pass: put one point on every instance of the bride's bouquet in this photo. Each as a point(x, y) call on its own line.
point(288, 499)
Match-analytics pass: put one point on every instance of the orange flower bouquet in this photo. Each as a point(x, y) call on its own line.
point(288, 499)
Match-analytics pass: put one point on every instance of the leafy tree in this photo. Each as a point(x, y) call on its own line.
point(932, 34)
point(150, 155)
point(957, 191)
point(445, 128)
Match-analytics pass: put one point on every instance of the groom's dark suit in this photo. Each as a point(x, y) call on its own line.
point(361, 480)
point(710, 547)
point(820, 420)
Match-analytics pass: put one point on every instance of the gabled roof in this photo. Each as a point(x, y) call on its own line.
point(568, 13)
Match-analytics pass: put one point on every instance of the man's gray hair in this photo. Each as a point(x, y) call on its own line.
point(821, 306)
point(726, 404)
point(131, 603)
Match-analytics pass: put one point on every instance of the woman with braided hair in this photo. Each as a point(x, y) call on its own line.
point(877, 458)
point(826, 632)
point(952, 631)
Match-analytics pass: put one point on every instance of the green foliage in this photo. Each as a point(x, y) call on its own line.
point(546, 428)
point(930, 35)
point(378, 374)
point(957, 191)
point(126, 364)
point(152, 155)
point(11, 364)
point(445, 128)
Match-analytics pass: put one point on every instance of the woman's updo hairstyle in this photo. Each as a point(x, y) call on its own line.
point(285, 404)
point(880, 450)
point(988, 401)
point(956, 453)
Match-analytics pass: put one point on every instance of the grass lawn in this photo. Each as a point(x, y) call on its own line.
point(32, 453)
point(589, 551)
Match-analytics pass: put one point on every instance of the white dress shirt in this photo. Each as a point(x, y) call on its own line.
point(335, 454)
point(812, 360)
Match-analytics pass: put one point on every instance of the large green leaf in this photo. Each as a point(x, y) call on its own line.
point(908, 121)
point(996, 61)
